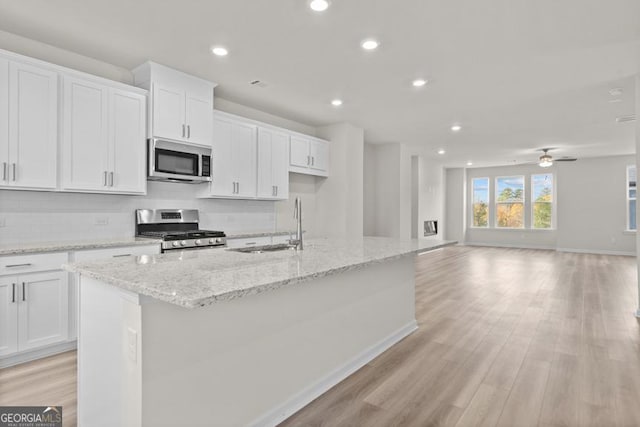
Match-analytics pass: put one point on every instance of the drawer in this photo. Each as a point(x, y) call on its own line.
point(284, 238)
point(97, 254)
point(19, 264)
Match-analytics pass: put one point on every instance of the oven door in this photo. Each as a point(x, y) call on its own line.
point(171, 161)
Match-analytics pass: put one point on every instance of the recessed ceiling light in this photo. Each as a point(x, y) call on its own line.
point(419, 82)
point(456, 128)
point(469, 163)
point(219, 51)
point(319, 5)
point(370, 44)
point(336, 102)
point(441, 151)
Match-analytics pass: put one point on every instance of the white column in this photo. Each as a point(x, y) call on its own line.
point(637, 165)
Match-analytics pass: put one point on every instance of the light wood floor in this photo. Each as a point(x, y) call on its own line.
point(507, 337)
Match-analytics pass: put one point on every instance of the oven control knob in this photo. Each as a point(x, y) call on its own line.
point(198, 242)
point(175, 244)
point(212, 241)
point(183, 243)
point(218, 240)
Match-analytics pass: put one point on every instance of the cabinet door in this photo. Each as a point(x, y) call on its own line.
point(266, 186)
point(244, 159)
point(299, 152)
point(8, 315)
point(33, 126)
point(168, 113)
point(4, 121)
point(319, 155)
point(43, 309)
point(127, 142)
point(223, 176)
point(84, 136)
point(280, 164)
point(199, 120)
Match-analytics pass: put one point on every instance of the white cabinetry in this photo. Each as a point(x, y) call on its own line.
point(180, 105)
point(273, 168)
point(233, 158)
point(309, 155)
point(35, 303)
point(28, 126)
point(103, 138)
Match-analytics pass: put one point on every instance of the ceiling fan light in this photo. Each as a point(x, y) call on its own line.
point(545, 161)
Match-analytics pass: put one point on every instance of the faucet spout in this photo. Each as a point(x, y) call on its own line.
point(297, 214)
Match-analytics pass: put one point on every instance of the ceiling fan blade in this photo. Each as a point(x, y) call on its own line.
point(565, 159)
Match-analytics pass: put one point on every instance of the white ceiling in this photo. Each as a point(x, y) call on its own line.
point(517, 74)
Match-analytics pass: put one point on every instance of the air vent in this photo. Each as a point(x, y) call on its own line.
point(258, 83)
point(625, 119)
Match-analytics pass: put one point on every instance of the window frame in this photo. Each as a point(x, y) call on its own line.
point(496, 202)
point(552, 203)
point(488, 202)
point(628, 198)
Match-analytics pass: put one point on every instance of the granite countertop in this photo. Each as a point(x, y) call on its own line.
point(198, 278)
point(73, 245)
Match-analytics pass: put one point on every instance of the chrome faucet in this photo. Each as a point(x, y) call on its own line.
point(297, 214)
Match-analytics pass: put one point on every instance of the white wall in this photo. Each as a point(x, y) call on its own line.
point(590, 209)
point(340, 197)
point(455, 204)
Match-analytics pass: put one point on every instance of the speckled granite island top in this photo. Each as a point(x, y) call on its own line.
point(73, 245)
point(198, 278)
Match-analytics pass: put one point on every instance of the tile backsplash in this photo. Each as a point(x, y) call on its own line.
point(31, 216)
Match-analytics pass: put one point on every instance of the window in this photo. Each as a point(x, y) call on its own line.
point(542, 200)
point(510, 202)
point(481, 202)
point(631, 197)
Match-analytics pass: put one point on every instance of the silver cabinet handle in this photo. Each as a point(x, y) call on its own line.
point(276, 190)
point(121, 255)
point(188, 131)
point(238, 192)
point(14, 171)
point(4, 171)
point(13, 292)
point(313, 161)
point(234, 188)
point(308, 160)
point(183, 126)
point(110, 179)
point(24, 293)
point(17, 265)
point(104, 179)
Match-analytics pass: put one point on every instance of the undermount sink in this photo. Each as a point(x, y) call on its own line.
point(265, 248)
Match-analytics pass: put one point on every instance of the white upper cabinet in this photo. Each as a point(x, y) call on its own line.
point(180, 106)
point(29, 126)
point(309, 155)
point(103, 138)
point(233, 158)
point(273, 167)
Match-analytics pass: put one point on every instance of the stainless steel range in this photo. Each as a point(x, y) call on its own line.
point(177, 228)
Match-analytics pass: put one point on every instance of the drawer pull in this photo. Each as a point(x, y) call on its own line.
point(18, 265)
point(121, 255)
point(24, 295)
point(13, 292)
point(250, 243)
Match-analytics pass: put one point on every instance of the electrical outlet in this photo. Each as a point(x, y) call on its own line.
point(102, 221)
point(132, 344)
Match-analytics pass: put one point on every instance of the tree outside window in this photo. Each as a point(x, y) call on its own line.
point(481, 202)
point(542, 197)
point(510, 202)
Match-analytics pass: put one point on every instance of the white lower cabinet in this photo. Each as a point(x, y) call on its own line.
point(248, 241)
point(35, 311)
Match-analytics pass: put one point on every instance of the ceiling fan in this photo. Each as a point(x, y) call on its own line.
point(546, 160)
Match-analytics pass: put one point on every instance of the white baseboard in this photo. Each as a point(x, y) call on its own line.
point(596, 251)
point(28, 356)
point(281, 412)
point(509, 245)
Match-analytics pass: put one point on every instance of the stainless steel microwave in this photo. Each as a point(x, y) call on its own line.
point(178, 162)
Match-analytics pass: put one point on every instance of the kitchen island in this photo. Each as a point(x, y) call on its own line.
point(221, 338)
